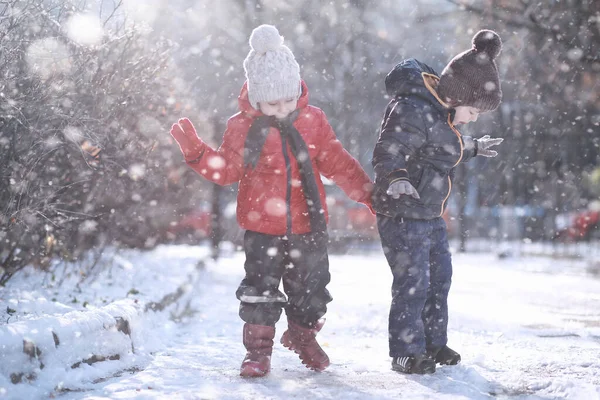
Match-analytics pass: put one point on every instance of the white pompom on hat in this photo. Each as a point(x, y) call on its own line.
point(271, 70)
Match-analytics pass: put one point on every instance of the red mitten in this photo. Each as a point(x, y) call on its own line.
point(190, 144)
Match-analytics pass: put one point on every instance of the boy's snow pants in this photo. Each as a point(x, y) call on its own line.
point(419, 256)
point(301, 262)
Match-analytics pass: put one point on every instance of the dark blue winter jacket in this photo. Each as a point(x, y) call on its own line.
point(417, 143)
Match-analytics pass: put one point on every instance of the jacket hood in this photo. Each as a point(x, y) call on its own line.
point(246, 107)
point(412, 78)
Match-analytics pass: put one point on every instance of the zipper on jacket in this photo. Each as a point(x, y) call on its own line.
point(447, 196)
point(288, 183)
point(460, 143)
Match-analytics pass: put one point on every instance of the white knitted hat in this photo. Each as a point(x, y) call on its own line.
point(271, 69)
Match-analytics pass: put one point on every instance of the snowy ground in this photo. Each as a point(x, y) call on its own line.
point(526, 328)
point(72, 320)
point(131, 274)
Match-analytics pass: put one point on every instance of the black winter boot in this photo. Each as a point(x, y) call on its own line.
point(444, 356)
point(414, 364)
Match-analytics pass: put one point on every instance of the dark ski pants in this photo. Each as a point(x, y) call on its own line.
point(301, 262)
point(419, 256)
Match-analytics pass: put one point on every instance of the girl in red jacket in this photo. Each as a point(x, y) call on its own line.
point(277, 147)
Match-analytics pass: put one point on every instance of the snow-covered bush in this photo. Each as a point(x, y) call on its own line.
point(87, 99)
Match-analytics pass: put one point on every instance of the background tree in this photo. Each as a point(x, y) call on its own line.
point(551, 109)
point(89, 90)
point(87, 99)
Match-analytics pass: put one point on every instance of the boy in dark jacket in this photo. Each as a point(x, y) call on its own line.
point(414, 161)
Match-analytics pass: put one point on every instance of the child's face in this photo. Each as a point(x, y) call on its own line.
point(278, 108)
point(465, 114)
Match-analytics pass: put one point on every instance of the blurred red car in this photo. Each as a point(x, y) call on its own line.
point(197, 224)
point(349, 221)
point(584, 226)
point(578, 226)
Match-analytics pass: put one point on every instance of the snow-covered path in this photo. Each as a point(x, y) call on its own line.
point(524, 331)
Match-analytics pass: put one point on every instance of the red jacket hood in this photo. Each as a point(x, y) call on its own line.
point(246, 107)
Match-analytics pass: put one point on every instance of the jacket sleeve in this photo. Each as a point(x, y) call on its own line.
point(335, 163)
point(225, 165)
point(403, 132)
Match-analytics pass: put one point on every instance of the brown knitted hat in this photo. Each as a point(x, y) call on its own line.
point(471, 78)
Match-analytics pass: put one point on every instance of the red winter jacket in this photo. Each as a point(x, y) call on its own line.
point(262, 202)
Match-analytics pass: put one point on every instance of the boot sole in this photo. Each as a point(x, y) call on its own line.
point(290, 346)
point(430, 370)
point(447, 362)
point(427, 371)
point(251, 370)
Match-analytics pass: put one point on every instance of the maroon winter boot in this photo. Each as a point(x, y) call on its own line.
point(258, 340)
point(302, 341)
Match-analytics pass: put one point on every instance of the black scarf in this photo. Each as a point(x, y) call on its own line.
point(255, 140)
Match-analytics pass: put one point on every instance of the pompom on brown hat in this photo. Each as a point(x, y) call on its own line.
point(471, 78)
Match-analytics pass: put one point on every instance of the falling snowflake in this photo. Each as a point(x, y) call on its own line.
point(136, 171)
point(84, 29)
point(48, 57)
point(275, 207)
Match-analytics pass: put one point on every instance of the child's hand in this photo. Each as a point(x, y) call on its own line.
point(484, 143)
point(402, 187)
point(185, 134)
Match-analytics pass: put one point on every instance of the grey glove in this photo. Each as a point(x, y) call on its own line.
point(484, 143)
point(402, 187)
